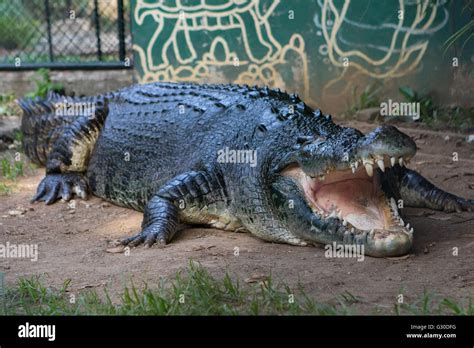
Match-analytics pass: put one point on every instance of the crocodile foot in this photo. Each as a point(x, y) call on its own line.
point(457, 204)
point(148, 236)
point(159, 225)
point(57, 186)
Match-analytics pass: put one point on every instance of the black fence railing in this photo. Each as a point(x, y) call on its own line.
point(64, 34)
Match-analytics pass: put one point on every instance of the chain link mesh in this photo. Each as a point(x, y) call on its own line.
point(63, 31)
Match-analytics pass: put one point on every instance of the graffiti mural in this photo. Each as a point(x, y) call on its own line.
point(385, 47)
point(322, 49)
point(235, 38)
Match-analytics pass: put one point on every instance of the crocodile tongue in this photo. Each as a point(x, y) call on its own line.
point(357, 197)
point(354, 197)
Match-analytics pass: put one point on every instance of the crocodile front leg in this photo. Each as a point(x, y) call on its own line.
point(196, 197)
point(418, 192)
point(160, 221)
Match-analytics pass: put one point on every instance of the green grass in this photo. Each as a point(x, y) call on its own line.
point(13, 162)
point(8, 106)
point(11, 171)
point(430, 304)
point(12, 167)
point(202, 294)
point(196, 293)
point(5, 189)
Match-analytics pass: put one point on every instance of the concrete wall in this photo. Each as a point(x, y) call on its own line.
point(81, 82)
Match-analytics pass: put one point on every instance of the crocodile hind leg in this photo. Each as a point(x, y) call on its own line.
point(195, 197)
point(68, 159)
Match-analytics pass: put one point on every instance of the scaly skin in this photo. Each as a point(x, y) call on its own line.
point(154, 148)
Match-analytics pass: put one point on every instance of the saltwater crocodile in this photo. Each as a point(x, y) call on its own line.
point(233, 157)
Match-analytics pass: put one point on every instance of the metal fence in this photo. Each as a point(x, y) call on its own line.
point(64, 34)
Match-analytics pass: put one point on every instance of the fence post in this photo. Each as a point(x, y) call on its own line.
point(97, 29)
point(48, 25)
point(121, 30)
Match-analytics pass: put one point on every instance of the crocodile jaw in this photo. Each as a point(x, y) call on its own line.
point(352, 196)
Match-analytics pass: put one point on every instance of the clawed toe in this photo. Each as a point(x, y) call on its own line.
point(147, 237)
point(60, 186)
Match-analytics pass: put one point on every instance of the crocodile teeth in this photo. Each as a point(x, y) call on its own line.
point(353, 168)
point(392, 161)
point(400, 161)
point(339, 215)
point(402, 223)
point(356, 164)
point(407, 226)
point(333, 214)
point(352, 230)
point(381, 165)
point(369, 169)
point(411, 230)
point(322, 177)
point(344, 223)
point(372, 232)
point(393, 205)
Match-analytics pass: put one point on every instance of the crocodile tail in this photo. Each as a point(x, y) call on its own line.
point(45, 120)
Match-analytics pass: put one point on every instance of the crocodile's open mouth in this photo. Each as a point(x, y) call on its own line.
point(353, 196)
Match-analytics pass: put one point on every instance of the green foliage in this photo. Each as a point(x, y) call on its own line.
point(440, 117)
point(44, 85)
point(369, 98)
point(8, 105)
point(6, 98)
point(427, 107)
point(11, 165)
point(18, 136)
point(4, 189)
point(10, 171)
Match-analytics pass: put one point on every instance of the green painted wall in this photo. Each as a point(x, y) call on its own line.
point(323, 49)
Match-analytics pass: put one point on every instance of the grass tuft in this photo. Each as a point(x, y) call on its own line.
point(196, 292)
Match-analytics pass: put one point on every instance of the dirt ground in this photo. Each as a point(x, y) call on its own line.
point(73, 243)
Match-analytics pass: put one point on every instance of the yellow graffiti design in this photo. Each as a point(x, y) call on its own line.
point(174, 31)
point(407, 59)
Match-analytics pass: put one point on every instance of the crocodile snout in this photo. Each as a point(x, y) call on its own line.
point(386, 142)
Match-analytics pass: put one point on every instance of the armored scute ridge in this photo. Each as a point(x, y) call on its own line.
point(235, 158)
